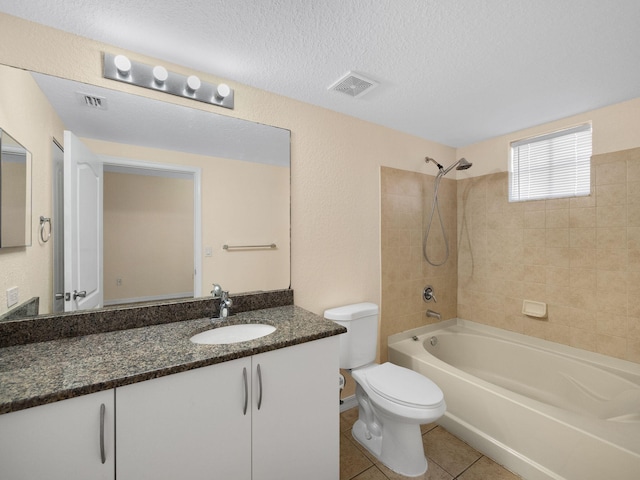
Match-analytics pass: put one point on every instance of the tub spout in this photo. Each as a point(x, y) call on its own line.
point(432, 314)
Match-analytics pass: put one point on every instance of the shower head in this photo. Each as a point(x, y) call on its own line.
point(463, 164)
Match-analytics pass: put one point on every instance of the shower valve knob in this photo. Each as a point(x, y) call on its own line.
point(428, 295)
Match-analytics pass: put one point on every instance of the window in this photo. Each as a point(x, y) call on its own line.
point(551, 166)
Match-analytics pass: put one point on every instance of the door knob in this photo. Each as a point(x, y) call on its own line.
point(81, 294)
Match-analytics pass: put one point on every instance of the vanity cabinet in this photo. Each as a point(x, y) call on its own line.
point(189, 425)
point(193, 425)
point(60, 441)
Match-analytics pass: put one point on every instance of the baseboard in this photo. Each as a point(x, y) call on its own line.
point(154, 298)
point(348, 403)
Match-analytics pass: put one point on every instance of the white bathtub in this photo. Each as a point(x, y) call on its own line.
point(544, 410)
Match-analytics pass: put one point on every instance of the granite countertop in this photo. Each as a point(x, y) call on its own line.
point(39, 373)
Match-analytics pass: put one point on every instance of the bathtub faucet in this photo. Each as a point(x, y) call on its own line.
point(225, 303)
point(432, 314)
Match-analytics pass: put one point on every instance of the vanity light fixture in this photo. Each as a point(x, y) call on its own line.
point(123, 65)
point(160, 75)
point(193, 84)
point(122, 69)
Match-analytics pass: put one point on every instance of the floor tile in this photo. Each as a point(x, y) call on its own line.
point(434, 472)
point(347, 419)
point(352, 460)
point(486, 468)
point(449, 452)
point(371, 473)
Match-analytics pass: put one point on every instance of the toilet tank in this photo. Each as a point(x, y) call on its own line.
point(358, 345)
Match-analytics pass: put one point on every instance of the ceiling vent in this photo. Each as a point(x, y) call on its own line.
point(354, 85)
point(92, 101)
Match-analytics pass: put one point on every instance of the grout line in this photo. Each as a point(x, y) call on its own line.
point(472, 464)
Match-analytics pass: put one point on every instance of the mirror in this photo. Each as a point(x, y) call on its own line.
point(15, 193)
point(243, 166)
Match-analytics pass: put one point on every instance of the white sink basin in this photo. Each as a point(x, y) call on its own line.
point(233, 334)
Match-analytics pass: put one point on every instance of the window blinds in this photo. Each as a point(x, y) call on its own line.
point(551, 166)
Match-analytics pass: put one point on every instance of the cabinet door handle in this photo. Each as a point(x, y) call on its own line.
point(102, 454)
point(260, 387)
point(246, 390)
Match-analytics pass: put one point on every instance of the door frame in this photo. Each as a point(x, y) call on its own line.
point(194, 172)
point(181, 171)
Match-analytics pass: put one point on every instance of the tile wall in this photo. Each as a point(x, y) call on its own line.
point(406, 201)
point(581, 256)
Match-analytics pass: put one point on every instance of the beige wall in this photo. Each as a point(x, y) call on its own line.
point(33, 124)
point(231, 215)
point(335, 173)
point(148, 237)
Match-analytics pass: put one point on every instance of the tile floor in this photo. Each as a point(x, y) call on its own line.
point(449, 458)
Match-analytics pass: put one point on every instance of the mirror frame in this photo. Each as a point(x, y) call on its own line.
point(288, 212)
point(9, 235)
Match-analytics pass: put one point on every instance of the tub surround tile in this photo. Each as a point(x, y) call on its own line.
point(576, 254)
point(87, 322)
point(44, 372)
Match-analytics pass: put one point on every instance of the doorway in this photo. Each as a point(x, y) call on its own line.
point(160, 260)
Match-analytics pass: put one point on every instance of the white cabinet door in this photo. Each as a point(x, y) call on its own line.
point(190, 425)
point(296, 428)
point(59, 441)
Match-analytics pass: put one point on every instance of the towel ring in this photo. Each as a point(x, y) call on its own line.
point(43, 221)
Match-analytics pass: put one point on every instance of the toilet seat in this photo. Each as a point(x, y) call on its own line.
point(403, 386)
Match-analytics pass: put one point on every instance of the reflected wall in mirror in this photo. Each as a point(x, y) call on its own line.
point(15, 192)
point(244, 189)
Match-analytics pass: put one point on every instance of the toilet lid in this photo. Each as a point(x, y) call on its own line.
point(404, 386)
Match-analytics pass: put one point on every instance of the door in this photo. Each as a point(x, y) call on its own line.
point(58, 227)
point(82, 225)
point(296, 412)
point(69, 439)
point(194, 425)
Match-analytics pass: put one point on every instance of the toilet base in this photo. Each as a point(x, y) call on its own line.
point(399, 448)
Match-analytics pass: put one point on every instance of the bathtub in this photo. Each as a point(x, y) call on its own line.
point(541, 409)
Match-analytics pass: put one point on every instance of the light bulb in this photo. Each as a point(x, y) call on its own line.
point(193, 83)
point(160, 74)
point(123, 65)
point(222, 91)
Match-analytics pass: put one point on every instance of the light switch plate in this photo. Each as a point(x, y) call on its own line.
point(12, 296)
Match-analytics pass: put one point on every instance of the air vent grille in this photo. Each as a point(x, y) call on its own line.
point(354, 85)
point(92, 101)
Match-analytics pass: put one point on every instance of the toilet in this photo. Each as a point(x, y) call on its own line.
point(393, 401)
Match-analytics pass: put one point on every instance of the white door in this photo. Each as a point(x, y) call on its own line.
point(194, 425)
point(296, 431)
point(82, 225)
point(65, 440)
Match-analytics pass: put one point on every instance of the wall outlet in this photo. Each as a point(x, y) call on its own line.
point(12, 296)
point(118, 282)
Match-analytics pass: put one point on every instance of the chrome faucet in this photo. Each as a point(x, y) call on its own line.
point(225, 303)
point(432, 314)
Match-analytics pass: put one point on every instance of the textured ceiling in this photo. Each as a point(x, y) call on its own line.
point(453, 71)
